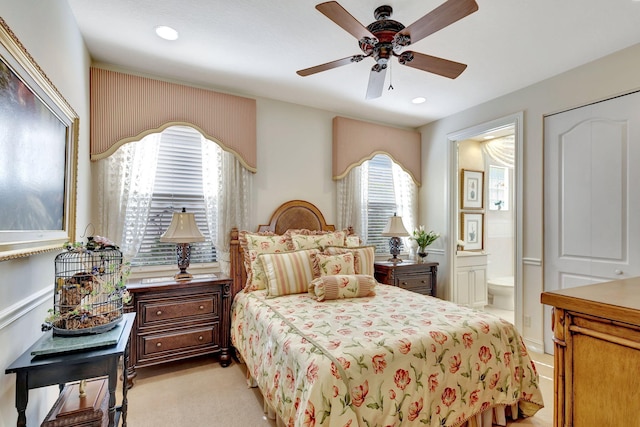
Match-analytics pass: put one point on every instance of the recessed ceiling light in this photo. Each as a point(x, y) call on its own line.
point(488, 137)
point(418, 100)
point(166, 33)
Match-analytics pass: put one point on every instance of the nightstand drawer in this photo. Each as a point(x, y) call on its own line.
point(419, 277)
point(179, 319)
point(162, 311)
point(183, 340)
point(420, 284)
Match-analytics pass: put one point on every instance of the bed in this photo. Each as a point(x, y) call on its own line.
point(384, 356)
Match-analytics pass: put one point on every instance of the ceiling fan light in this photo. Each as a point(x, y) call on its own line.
point(166, 33)
point(419, 100)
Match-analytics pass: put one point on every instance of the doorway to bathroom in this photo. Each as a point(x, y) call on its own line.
point(486, 249)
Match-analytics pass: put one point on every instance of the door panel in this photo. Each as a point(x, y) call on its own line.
point(590, 210)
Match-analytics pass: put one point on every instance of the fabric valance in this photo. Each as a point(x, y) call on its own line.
point(125, 108)
point(355, 141)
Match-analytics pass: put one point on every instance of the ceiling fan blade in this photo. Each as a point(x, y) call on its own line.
point(344, 19)
point(432, 64)
point(329, 65)
point(440, 17)
point(376, 82)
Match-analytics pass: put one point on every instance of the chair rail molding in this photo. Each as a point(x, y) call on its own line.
point(21, 308)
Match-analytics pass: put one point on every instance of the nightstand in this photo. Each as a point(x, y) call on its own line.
point(414, 276)
point(179, 319)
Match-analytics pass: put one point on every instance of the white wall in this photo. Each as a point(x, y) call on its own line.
point(294, 158)
point(48, 31)
point(609, 76)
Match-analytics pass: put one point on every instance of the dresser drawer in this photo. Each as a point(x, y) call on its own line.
point(155, 345)
point(416, 283)
point(162, 311)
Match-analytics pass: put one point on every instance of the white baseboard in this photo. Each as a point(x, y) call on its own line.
point(534, 345)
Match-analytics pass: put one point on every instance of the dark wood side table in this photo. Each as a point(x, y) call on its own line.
point(179, 319)
point(420, 277)
point(40, 371)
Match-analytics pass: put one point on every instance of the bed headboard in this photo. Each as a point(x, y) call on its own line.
point(294, 214)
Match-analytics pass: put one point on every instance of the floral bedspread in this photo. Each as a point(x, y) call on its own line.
point(398, 358)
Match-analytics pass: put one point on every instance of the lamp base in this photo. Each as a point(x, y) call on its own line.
point(183, 252)
point(394, 249)
point(183, 276)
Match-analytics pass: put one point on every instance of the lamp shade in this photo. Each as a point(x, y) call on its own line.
point(183, 229)
point(395, 228)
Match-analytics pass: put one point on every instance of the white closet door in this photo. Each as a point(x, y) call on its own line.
point(591, 196)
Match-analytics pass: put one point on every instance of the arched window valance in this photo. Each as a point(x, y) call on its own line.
point(125, 108)
point(355, 141)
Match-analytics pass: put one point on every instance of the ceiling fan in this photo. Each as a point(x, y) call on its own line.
point(385, 38)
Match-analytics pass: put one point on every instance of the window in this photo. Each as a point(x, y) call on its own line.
point(387, 190)
point(498, 188)
point(178, 184)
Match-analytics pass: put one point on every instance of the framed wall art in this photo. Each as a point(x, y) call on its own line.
point(472, 230)
point(472, 189)
point(39, 145)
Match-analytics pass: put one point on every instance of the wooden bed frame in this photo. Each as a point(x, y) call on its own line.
point(294, 214)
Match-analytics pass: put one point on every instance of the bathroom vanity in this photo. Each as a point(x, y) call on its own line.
point(470, 286)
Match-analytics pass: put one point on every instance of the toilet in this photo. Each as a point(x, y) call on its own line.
point(501, 292)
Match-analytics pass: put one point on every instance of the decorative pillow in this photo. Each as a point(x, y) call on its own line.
point(364, 257)
point(255, 244)
point(327, 265)
point(342, 286)
point(288, 272)
point(303, 232)
point(318, 241)
point(352, 241)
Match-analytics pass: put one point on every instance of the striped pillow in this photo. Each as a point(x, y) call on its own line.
point(288, 273)
point(364, 256)
point(342, 286)
point(255, 244)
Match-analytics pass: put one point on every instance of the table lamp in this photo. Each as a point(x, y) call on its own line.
point(394, 229)
point(183, 230)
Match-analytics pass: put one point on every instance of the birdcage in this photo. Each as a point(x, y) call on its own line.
point(88, 290)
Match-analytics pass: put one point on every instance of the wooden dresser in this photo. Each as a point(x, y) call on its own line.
point(597, 354)
point(418, 277)
point(177, 320)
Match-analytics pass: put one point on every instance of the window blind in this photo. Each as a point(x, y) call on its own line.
point(380, 199)
point(178, 184)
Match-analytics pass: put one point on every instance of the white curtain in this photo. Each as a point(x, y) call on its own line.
point(353, 193)
point(228, 190)
point(406, 192)
point(124, 196)
point(351, 202)
point(501, 150)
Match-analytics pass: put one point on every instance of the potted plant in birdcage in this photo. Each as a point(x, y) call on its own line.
point(423, 239)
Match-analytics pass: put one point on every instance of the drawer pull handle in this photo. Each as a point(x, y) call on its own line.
point(200, 338)
point(404, 283)
point(158, 313)
point(159, 344)
point(423, 281)
point(201, 307)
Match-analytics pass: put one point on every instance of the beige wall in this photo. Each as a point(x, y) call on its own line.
point(609, 76)
point(48, 31)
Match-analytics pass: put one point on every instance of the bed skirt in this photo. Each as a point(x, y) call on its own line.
point(496, 416)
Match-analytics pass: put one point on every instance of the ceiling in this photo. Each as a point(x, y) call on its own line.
point(254, 48)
